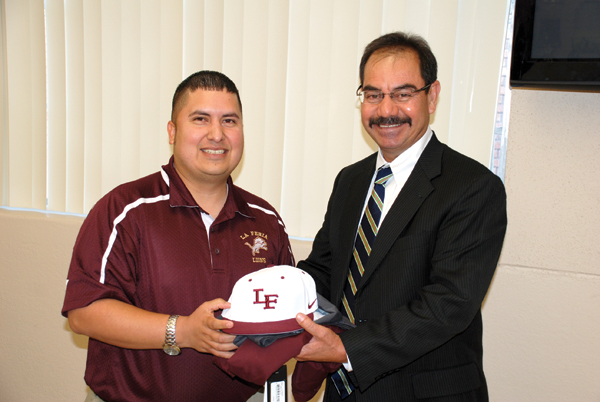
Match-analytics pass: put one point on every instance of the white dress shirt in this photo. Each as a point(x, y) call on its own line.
point(401, 167)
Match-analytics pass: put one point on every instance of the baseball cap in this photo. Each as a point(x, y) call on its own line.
point(267, 301)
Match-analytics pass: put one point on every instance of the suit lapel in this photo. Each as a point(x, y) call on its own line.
point(352, 211)
point(416, 189)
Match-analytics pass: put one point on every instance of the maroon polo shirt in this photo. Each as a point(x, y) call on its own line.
point(145, 244)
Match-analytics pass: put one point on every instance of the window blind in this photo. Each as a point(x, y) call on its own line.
point(87, 88)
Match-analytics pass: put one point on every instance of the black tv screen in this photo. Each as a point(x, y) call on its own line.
point(556, 44)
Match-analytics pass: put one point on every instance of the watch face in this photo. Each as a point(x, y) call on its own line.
point(171, 350)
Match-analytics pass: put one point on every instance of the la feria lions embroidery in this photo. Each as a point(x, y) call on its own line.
point(259, 243)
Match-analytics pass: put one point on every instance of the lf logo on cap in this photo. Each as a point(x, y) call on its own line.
point(268, 299)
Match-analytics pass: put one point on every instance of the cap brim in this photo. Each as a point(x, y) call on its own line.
point(265, 328)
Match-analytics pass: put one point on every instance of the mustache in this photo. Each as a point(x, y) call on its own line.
point(387, 121)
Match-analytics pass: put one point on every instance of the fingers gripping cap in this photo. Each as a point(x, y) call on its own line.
point(267, 301)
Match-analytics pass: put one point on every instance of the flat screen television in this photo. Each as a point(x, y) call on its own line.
point(556, 44)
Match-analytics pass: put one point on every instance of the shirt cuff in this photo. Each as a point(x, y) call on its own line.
point(347, 365)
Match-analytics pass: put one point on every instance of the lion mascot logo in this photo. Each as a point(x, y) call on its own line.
point(259, 244)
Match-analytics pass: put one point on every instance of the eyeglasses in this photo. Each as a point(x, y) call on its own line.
point(374, 97)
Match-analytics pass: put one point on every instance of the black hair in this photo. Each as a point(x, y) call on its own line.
point(206, 80)
point(397, 42)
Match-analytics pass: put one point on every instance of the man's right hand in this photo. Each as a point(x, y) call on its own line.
point(202, 331)
point(126, 326)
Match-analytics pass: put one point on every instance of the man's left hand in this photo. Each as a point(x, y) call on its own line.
point(324, 346)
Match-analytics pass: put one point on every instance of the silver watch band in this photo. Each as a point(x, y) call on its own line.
point(170, 347)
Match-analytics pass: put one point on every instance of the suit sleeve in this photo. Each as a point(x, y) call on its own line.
point(458, 264)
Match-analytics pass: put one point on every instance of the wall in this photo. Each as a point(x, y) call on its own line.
point(41, 357)
point(540, 316)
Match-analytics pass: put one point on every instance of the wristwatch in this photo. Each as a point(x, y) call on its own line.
point(170, 347)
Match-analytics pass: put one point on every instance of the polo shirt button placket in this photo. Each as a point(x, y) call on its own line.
point(217, 251)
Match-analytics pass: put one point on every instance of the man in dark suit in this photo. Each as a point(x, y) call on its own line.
point(414, 278)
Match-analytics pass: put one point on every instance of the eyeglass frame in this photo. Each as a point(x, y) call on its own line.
point(396, 99)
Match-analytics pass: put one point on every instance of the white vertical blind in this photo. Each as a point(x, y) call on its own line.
point(114, 89)
point(129, 91)
point(92, 105)
point(273, 85)
point(477, 70)
point(74, 173)
point(111, 66)
point(3, 112)
point(25, 173)
point(56, 105)
point(214, 31)
point(159, 71)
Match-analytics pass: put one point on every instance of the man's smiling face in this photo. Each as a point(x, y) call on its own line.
point(207, 137)
point(395, 127)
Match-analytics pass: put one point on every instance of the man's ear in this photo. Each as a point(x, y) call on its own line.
point(171, 129)
point(434, 91)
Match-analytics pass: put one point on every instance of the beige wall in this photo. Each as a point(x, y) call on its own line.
point(540, 316)
point(41, 358)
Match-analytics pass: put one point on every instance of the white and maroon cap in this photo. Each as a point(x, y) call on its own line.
point(267, 301)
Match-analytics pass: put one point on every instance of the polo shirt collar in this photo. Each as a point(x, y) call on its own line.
point(180, 196)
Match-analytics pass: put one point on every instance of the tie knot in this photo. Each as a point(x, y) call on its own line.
point(383, 175)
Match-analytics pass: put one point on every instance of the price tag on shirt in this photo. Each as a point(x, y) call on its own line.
point(276, 386)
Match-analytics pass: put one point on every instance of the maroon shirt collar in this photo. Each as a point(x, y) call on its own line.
point(180, 196)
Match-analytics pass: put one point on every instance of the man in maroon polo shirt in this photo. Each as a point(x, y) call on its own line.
point(155, 258)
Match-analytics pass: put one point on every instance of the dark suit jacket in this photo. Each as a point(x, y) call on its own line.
point(418, 306)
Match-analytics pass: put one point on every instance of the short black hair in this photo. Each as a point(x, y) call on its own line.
point(206, 80)
point(397, 42)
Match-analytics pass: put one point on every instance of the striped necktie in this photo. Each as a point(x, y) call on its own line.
point(365, 238)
